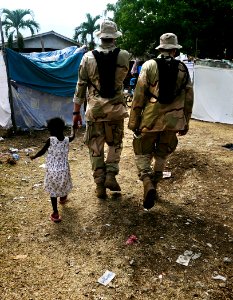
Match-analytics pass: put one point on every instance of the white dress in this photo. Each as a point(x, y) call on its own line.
point(57, 177)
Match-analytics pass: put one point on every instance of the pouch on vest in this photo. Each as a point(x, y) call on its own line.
point(106, 64)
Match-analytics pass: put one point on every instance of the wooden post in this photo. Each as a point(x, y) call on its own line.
point(8, 79)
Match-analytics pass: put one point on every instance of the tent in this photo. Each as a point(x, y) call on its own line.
point(43, 86)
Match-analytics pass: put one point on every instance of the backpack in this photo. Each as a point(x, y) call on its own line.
point(168, 72)
point(106, 64)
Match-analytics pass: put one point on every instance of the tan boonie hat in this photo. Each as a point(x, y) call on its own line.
point(168, 41)
point(108, 30)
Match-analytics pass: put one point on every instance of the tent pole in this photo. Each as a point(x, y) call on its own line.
point(8, 79)
point(196, 48)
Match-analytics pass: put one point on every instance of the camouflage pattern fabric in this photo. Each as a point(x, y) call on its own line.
point(153, 145)
point(102, 109)
point(147, 114)
point(97, 134)
point(157, 123)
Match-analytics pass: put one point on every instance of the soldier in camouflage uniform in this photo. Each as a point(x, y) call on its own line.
point(157, 124)
point(106, 110)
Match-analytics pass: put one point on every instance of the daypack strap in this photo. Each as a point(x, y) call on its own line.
point(167, 81)
point(106, 64)
point(168, 72)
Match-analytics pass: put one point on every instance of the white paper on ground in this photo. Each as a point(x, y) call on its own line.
point(106, 277)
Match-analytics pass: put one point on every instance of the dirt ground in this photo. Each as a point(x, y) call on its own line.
point(41, 260)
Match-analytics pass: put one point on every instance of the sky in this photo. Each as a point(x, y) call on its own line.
point(61, 18)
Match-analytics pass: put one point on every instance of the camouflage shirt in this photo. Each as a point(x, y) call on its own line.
point(147, 114)
point(98, 108)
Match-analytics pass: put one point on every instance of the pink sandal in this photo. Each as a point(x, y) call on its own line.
point(55, 217)
point(63, 200)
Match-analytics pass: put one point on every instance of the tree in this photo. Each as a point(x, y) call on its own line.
point(14, 20)
point(86, 29)
point(202, 26)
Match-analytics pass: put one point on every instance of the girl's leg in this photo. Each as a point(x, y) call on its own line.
point(54, 204)
point(55, 216)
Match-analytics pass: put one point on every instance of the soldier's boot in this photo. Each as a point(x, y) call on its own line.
point(157, 176)
point(100, 191)
point(149, 193)
point(111, 182)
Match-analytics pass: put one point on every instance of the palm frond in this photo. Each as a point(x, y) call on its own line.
point(14, 20)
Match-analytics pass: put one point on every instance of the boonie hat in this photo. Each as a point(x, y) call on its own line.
point(108, 30)
point(168, 41)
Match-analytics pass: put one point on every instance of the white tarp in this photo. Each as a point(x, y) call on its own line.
point(213, 94)
point(5, 110)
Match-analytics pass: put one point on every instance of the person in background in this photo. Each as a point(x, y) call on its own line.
point(102, 71)
point(161, 109)
point(57, 181)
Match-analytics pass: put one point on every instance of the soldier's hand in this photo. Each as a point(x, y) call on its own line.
point(137, 132)
point(77, 121)
point(184, 131)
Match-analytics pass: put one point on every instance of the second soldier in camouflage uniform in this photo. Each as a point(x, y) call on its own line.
point(156, 124)
point(102, 73)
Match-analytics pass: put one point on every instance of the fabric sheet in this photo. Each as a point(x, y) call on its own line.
point(5, 110)
point(213, 94)
point(57, 77)
point(43, 86)
point(33, 108)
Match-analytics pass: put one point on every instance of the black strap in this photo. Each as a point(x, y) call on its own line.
point(106, 64)
point(168, 72)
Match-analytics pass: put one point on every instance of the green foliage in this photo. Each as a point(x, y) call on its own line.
point(20, 42)
point(14, 21)
point(203, 27)
point(86, 29)
point(10, 41)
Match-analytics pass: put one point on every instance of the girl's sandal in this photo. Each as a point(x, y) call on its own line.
point(55, 218)
point(63, 200)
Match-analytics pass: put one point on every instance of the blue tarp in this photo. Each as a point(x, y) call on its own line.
point(33, 108)
point(56, 55)
point(51, 72)
point(43, 85)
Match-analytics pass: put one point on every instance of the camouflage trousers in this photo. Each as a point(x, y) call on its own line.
point(151, 151)
point(98, 136)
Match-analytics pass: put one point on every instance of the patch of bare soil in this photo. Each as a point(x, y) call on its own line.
point(42, 260)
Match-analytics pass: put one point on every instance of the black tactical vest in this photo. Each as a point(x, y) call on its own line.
point(106, 64)
point(168, 72)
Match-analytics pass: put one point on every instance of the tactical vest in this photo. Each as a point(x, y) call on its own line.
point(106, 64)
point(168, 72)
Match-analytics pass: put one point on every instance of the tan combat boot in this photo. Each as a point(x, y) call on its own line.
point(100, 191)
point(111, 183)
point(149, 193)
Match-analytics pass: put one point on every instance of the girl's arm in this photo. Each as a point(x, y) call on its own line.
point(42, 151)
point(71, 138)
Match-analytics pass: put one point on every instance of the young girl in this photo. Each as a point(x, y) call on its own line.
point(57, 178)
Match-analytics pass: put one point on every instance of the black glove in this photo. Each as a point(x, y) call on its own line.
point(137, 132)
